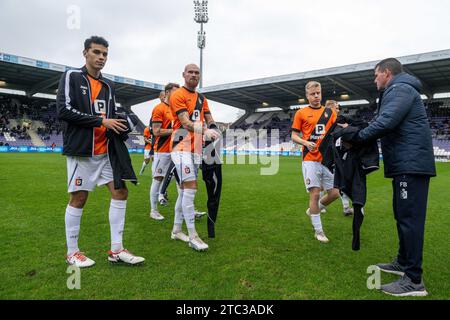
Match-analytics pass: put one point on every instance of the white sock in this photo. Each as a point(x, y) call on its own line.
point(345, 201)
point(144, 165)
point(117, 210)
point(73, 221)
point(178, 220)
point(154, 192)
point(316, 222)
point(188, 210)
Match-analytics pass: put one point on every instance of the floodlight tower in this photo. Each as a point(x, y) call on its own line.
point(201, 17)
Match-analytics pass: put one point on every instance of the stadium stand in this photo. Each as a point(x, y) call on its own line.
point(438, 111)
point(33, 122)
point(26, 120)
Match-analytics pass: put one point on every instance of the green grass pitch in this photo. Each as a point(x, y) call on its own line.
point(264, 246)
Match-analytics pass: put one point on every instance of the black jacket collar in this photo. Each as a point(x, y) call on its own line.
point(86, 73)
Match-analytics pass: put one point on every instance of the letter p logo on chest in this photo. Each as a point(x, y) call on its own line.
point(100, 106)
point(320, 129)
point(196, 115)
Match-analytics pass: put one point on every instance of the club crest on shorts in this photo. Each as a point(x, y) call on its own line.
point(404, 194)
point(187, 170)
point(308, 182)
point(78, 182)
point(159, 170)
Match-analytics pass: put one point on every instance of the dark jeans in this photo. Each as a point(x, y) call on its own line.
point(410, 194)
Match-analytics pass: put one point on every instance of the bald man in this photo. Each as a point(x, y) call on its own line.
point(190, 111)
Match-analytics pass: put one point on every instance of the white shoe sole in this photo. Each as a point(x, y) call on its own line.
point(81, 267)
point(408, 294)
point(156, 218)
point(398, 273)
point(322, 241)
point(112, 260)
point(196, 248)
point(174, 237)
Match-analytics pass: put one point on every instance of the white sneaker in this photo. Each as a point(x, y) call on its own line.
point(199, 214)
point(162, 200)
point(156, 215)
point(348, 211)
point(197, 244)
point(180, 235)
point(124, 256)
point(321, 237)
point(79, 260)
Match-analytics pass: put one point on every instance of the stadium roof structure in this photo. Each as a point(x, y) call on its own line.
point(352, 82)
point(35, 76)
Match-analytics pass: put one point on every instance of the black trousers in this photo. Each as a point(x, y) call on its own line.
point(212, 175)
point(410, 195)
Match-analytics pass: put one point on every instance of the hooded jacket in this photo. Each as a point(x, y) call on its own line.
point(403, 127)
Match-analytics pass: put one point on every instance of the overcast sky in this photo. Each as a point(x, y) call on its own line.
point(245, 39)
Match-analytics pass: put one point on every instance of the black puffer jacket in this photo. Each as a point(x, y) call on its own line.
point(403, 127)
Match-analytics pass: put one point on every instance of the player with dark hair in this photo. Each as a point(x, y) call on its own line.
point(86, 105)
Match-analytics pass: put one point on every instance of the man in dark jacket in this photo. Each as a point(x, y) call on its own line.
point(86, 105)
point(407, 148)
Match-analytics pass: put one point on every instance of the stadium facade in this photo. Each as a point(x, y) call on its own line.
point(28, 115)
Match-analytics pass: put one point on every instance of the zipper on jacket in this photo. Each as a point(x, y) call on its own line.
point(90, 104)
point(109, 95)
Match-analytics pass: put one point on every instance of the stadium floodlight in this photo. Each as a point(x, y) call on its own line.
point(201, 11)
point(345, 96)
point(2, 83)
point(265, 104)
point(201, 17)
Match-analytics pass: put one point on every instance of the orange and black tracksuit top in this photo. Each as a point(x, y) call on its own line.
point(313, 124)
point(163, 115)
point(147, 135)
point(184, 100)
point(82, 103)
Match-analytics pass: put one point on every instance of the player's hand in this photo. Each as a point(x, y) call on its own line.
point(311, 145)
point(343, 125)
point(212, 134)
point(116, 125)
